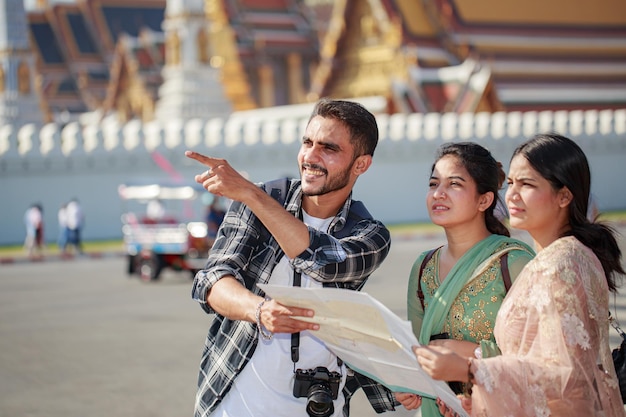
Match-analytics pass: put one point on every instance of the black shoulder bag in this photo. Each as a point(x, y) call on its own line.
point(619, 358)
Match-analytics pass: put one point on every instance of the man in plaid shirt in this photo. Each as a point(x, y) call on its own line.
point(248, 367)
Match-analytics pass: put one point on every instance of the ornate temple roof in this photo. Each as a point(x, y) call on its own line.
point(75, 45)
point(276, 49)
point(83, 51)
point(135, 75)
point(525, 56)
point(421, 55)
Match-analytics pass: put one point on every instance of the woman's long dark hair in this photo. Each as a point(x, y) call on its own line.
point(486, 172)
point(561, 161)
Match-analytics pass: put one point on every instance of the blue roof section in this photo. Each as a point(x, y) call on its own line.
point(131, 20)
point(102, 76)
point(81, 34)
point(67, 86)
point(47, 43)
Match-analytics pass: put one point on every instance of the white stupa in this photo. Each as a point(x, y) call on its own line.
point(191, 86)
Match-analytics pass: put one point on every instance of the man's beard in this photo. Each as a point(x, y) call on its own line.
point(337, 182)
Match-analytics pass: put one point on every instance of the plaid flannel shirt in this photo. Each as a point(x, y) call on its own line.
point(245, 250)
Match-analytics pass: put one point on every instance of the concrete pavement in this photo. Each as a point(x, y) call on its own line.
point(81, 338)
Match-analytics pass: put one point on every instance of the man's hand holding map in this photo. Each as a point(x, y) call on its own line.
point(368, 336)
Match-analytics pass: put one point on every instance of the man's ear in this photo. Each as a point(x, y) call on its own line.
point(485, 200)
point(565, 197)
point(361, 164)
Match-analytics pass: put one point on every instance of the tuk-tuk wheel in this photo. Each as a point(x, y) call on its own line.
point(150, 268)
point(132, 261)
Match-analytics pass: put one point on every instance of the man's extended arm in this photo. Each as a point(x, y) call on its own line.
point(221, 179)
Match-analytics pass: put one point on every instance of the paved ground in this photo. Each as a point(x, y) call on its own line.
point(14, 256)
point(79, 338)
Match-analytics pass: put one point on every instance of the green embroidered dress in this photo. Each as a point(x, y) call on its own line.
point(465, 305)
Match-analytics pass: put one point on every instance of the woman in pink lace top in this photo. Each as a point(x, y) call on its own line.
point(552, 328)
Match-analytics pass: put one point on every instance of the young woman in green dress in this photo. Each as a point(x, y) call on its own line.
point(455, 290)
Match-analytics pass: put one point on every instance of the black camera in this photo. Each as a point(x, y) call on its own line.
point(320, 386)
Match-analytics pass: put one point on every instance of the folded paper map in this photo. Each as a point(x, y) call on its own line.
point(368, 337)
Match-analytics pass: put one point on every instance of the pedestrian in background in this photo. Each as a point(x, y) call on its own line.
point(33, 221)
point(63, 230)
point(74, 220)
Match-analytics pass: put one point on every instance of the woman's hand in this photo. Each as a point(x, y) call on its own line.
point(441, 363)
point(466, 402)
point(409, 400)
point(447, 411)
point(463, 348)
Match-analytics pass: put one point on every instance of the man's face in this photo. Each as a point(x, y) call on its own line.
point(326, 157)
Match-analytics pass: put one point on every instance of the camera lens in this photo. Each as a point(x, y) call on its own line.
point(319, 401)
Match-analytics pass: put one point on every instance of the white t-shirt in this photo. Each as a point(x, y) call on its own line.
point(265, 386)
point(73, 215)
point(34, 217)
point(62, 216)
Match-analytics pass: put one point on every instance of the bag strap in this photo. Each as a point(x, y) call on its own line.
point(615, 324)
point(504, 268)
point(277, 189)
point(356, 213)
point(420, 293)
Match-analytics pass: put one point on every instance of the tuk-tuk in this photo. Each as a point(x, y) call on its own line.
point(162, 231)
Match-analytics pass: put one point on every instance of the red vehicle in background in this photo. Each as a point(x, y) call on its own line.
point(163, 231)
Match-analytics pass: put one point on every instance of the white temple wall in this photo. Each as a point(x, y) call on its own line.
point(51, 166)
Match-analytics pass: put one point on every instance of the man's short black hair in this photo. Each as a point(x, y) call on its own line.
point(360, 122)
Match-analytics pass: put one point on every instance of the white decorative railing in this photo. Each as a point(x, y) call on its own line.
point(72, 140)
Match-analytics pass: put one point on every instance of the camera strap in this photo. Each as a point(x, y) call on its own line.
point(295, 337)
